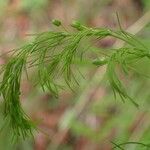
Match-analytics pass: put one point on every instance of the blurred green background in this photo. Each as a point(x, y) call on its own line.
point(89, 118)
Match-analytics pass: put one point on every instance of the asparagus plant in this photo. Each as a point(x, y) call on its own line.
point(53, 54)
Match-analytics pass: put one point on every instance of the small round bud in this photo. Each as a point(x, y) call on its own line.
point(77, 25)
point(56, 22)
point(100, 61)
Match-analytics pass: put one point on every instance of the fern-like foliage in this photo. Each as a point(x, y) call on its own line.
point(53, 53)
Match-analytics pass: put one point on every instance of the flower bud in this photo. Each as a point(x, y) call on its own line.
point(100, 61)
point(56, 22)
point(77, 25)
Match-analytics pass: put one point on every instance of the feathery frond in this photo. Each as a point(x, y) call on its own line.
point(53, 54)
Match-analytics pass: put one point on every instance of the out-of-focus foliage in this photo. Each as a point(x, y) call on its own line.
point(146, 4)
point(3, 5)
point(32, 5)
point(26, 4)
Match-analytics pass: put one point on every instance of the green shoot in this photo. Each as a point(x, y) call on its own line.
point(53, 55)
point(147, 146)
